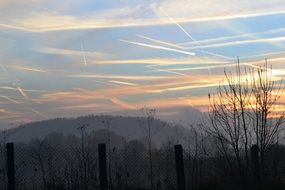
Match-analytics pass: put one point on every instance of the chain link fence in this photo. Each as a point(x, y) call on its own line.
point(78, 169)
point(44, 167)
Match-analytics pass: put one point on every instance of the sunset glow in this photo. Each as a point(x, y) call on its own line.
point(64, 59)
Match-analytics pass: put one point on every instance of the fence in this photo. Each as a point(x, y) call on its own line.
point(102, 168)
point(71, 168)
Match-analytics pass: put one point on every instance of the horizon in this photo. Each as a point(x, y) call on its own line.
point(89, 57)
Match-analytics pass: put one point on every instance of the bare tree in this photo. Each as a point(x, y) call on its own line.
point(149, 117)
point(267, 120)
point(84, 155)
point(243, 112)
point(107, 124)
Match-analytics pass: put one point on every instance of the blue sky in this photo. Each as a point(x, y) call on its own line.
point(61, 59)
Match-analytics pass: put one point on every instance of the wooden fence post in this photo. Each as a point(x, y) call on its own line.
point(254, 163)
point(179, 167)
point(102, 167)
point(10, 166)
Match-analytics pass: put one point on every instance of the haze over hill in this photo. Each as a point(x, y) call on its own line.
point(183, 115)
point(131, 127)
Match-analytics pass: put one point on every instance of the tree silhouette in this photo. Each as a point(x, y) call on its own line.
point(243, 112)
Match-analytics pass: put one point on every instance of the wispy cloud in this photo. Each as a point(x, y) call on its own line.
point(224, 39)
point(129, 16)
point(176, 83)
point(73, 23)
point(122, 104)
point(241, 42)
point(72, 53)
point(126, 77)
point(164, 61)
point(215, 10)
point(31, 69)
point(87, 107)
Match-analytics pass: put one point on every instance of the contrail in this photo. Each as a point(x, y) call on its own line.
point(233, 38)
point(107, 83)
point(27, 90)
point(165, 70)
point(212, 67)
point(162, 42)
point(18, 88)
point(185, 48)
point(122, 104)
point(28, 69)
point(193, 39)
point(38, 113)
point(119, 77)
point(164, 61)
point(241, 42)
point(83, 53)
point(185, 32)
point(172, 20)
point(7, 88)
point(121, 82)
point(23, 93)
point(186, 87)
point(10, 99)
point(181, 47)
point(159, 47)
point(86, 24)
point(215, 54)
point(4, 69)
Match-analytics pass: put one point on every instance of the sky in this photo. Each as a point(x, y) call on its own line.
point(69, 58)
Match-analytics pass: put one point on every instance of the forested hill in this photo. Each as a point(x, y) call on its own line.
point(129, 127)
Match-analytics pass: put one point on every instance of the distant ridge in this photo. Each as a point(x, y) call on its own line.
point(130, 127)
point(123, 125)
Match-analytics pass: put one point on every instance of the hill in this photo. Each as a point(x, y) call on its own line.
point(128, 127)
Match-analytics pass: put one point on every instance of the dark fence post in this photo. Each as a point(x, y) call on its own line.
point(102, 167)
point(254, 163)
point(179, 167)
point(10, 166)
